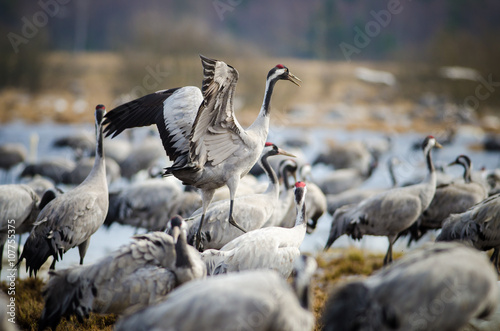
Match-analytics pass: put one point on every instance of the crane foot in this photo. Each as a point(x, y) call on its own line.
point(233, 222)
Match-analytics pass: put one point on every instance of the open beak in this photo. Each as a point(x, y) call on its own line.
point(175, 233)
point(282, 152)
point(438, 145)
point(294, 79)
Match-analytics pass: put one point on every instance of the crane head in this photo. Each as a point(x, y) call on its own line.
point(99, 113)
point(280, 72)
point(176, 224)
point(275, 150)
point(300, 192)
point(430, 142)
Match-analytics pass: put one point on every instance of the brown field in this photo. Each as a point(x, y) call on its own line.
point(331, 95)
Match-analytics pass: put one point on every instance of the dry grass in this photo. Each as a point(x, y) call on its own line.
point(336, 266)
point(29, 305)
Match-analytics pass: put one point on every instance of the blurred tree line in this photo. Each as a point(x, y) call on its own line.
point(439, 32)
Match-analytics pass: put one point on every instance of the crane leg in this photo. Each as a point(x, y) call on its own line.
point(388, 256)
point(53, 264)
point(206, 198)
point(197, 240)
point(82, 249)
point(231, 219)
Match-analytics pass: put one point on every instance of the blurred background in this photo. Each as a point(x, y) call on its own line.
point(391, 64)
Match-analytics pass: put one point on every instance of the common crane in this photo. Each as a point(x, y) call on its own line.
point(199, 131)
point(71, 218)
point(387, 213)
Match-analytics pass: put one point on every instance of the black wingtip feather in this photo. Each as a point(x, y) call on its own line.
point(36, 251)
point(62, 298)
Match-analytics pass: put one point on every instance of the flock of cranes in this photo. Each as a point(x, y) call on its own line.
point(215, 260)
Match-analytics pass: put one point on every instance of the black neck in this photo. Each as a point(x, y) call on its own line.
point(467, 173)
point(303, 214)
point(99, 148)
point(304, 298)
point(285, 172)
point(430, 165)
point(268, 169)
point(181, 250)
point(267, 97)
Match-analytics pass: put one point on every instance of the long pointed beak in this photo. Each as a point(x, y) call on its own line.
point(452, 163)
point(294, 79)
point(175, 233)
point(282, 152)
point(438, 145)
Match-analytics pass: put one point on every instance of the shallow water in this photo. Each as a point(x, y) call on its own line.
point(106, 240)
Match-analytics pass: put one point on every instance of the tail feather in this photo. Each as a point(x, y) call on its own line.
point(37, 250)
point(459, 228)
point(340, 225)
point(66, 294)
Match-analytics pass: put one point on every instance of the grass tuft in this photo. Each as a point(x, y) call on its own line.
point(29, 306)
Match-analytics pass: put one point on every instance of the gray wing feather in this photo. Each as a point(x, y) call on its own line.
point(215, 133)
point(139, 273)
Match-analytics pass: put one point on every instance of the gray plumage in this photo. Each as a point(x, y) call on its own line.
point(390, 212)
point(19, 209)
point(252, 211)
point(441, 287)
point(492, 323)
point(479, 226)
point(71, 218)
point(141, 157)
point(344, 179)
point(53, 169)
point(352, 154)
point(40, 184)
point(250, 300)
point(200, 132)
point(139, 204)
point(453, 198)
point(185, 204)
point(273, 248)
point(84, 166)
point(285, 205)
point(12, 154)
point(138, 274)
point(81, 143)
point(356, 195)
point(315, 201)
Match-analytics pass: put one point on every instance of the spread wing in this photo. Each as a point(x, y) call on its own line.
point(216, 133)
point(173, 111)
